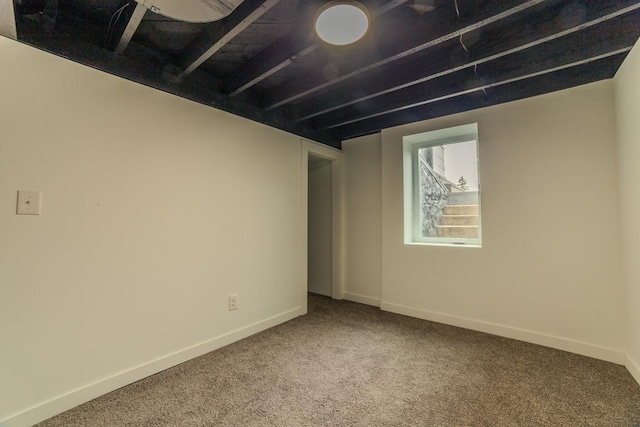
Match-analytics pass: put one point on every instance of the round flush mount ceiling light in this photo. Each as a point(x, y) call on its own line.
point(342, 22)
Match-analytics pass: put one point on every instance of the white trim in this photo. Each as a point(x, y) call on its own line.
point(362, 299)
point(88, 392)
point(565, 344)
point(337, 194)
point(304, 227)
point(633, 368)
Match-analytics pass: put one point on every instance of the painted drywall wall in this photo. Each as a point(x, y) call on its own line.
point(319, 227)
point(363, 212)
point(627, 99)
point(548, 271)
point(154, 210)
point(7, 20)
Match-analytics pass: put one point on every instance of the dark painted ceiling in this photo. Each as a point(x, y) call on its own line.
point(421, 59)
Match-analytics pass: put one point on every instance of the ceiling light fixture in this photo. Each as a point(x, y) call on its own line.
point(341, 23)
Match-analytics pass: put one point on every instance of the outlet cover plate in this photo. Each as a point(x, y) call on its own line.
point(233, 302)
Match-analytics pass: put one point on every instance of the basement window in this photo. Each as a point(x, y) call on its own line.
point(442, 187)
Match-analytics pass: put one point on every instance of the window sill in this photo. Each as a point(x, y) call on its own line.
point(451, 245)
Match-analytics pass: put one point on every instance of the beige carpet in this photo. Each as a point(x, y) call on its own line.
point(346, 364)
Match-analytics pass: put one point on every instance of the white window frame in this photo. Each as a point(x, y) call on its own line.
point(412, 212)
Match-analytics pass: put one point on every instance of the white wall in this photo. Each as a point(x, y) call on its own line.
point(548, 271)
point(7, 20)
point(319, 227)
point(627, 96)
point(363, 211)
point(154, 210)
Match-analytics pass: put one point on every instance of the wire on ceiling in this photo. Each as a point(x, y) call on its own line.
point(475, 66)
point(462, 43)
point(455, 2)
point(113, 23)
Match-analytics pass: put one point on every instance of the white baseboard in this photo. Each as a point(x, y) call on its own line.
point(88, 392)
point(362, 299)
point(634, 368)
point(565, 344)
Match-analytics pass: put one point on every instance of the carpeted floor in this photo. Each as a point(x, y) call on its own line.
point(347, 364)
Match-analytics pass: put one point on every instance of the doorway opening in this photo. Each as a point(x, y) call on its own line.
point(319, 233)
point(321, 237)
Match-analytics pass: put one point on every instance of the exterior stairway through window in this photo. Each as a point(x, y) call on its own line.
point(459, 221)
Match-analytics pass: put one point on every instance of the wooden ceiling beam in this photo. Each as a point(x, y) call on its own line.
point(511, 41)
point(443, 29)
point(541, 60)
point(584, 71)
point(280, 55)
point(131, 28)
point(222, 32)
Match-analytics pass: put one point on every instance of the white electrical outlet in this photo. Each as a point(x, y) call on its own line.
point(28, 203)
point(233, 302)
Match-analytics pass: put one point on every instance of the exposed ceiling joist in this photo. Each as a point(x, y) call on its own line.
point(280, 55)
point(433, 36)
point(132, 26)
point(390, 5)
point(422, 59)
point(466, 82)
point(270, 61)
point(506, 91)
point(219, 34)
point(8, 19)
point(512, 41)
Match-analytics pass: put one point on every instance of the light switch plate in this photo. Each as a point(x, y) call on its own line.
point(28, 203)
